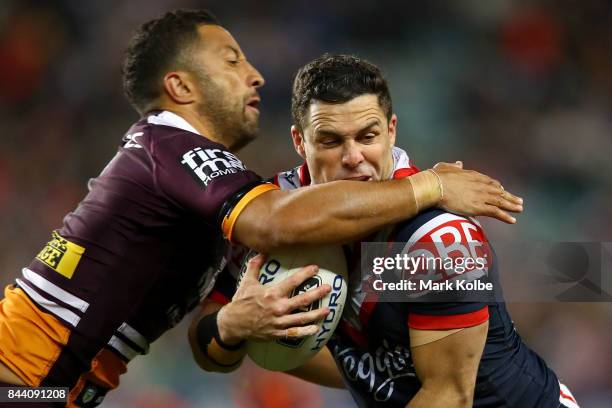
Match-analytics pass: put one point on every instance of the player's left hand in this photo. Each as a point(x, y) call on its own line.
point(468, 192)
point(266, 312)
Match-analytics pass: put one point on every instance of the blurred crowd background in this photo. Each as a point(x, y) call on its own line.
point(521, 90)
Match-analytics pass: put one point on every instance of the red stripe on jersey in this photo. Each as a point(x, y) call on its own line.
point(405, 172)
point(218, 297)
point(367, 308)
point(369, 302)
point(458, 321)
point(304, 175)
point(569, 397)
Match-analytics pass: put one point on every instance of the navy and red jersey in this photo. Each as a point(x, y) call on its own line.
point(139, 252)
point(371, 345)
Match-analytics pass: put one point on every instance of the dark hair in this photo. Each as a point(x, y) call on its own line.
point(156, 47)
point(337, 79)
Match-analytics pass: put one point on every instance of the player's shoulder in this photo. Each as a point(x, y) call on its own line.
point(164, 130)
point(167, 136)
point(289, 179)
point(432, 224)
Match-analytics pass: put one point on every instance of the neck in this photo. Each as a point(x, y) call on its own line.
point(199, 123)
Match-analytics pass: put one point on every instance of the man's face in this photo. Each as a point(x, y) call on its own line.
point(347, 141)
point(227, 86)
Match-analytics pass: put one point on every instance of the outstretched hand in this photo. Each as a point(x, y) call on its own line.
point(468, 192)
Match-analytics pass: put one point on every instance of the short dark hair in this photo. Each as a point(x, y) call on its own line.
point(156, 47)
point(337, 78)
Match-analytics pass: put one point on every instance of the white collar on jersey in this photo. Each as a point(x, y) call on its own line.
point(167, 118)
point(400, 160)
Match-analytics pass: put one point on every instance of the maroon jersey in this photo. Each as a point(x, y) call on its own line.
point(142, 248)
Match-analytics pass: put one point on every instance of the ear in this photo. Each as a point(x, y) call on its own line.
point(393, 129)
point(179, 87)
point(298, 142)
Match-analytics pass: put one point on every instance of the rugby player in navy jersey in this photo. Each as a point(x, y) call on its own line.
point(147, 242)
point(394, 354)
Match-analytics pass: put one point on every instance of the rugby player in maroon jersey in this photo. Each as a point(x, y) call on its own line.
point(146, 243)
point(424, 353)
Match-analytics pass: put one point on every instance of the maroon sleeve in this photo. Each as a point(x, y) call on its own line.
point(198, 174)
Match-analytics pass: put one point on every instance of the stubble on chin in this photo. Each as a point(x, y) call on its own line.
point(246, 134)
point(229, 118)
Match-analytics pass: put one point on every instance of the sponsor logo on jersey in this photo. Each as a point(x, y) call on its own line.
point(208, 164)
point(377, 371)
point(131, 140)
point(61, 255)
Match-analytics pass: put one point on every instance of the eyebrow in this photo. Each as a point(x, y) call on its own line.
point(325, 132)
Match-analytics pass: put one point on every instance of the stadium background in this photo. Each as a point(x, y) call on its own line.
point(518, 89)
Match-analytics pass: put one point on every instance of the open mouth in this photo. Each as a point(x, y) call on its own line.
point(254, 104)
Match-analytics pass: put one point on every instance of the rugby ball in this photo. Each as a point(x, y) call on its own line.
point(286, 354)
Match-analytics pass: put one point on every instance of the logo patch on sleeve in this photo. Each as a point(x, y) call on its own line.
point(61, 255)
point(208, 164)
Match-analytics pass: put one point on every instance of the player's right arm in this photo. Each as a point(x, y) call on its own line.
point(447, 336)
point(210, 347)
point(345, 211)
point(447, 367)
point(208, 353)
point(321, 370)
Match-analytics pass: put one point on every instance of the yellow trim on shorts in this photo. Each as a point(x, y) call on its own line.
point(227, 226)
